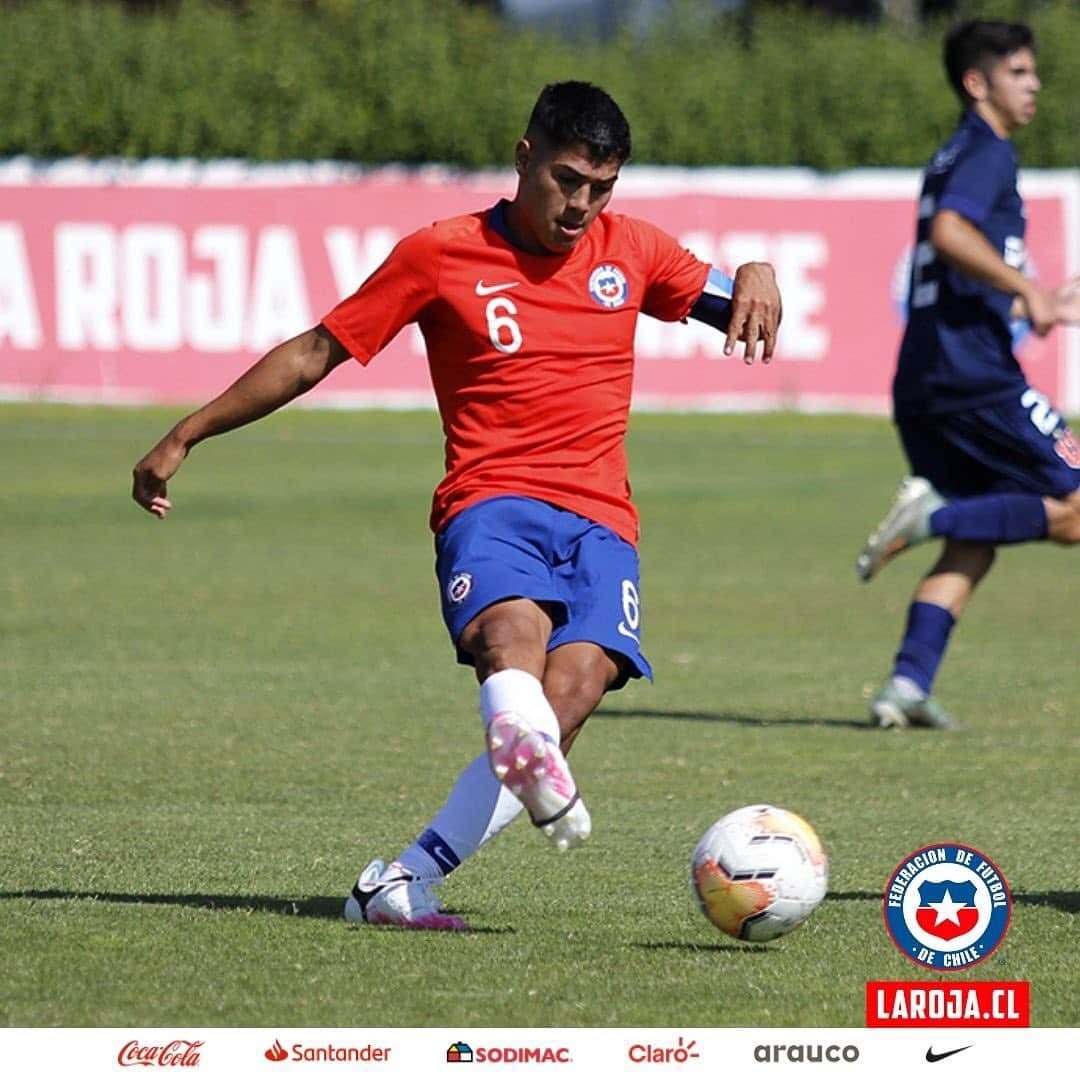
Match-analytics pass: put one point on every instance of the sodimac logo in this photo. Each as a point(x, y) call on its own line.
point(177, 1053)
point(508, 1055)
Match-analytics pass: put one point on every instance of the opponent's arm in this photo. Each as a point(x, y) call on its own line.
point(1066, 300)
point(964, 247)
point(747, 308)
point(287, 371)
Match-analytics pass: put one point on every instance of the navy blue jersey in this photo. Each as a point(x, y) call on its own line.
point(957, 349)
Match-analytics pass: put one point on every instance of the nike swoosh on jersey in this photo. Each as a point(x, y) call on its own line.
point(931, 1056)
point(487, 290)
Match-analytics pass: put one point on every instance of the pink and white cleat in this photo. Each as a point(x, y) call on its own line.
point(535, 770)
point(392, 896)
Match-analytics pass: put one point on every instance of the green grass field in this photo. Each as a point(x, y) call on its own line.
point(211, 724)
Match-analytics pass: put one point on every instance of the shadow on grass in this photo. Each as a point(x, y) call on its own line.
point(307, 907)
point(736, 718)
point(1063, 901)
point(1068, 902)
point(695, 947)
point(329, 907)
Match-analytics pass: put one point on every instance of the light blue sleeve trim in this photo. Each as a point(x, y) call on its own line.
point(713, 306)
point(718, 284)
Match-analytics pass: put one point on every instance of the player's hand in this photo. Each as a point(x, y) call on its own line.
point(1040, 308)
point(1067, 302)
point(755, 311)
point(151, 475)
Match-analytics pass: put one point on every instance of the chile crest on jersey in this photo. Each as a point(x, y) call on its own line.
point(608, 286)
point(947, 907)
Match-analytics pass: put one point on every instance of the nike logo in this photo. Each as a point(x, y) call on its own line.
point(932, 1057)
point(444, 858)
point(487, 290)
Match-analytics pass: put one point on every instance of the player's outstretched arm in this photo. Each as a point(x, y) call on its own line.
point(1066, 304)
point(965, 248)
point(755, 311)
point(286, 372)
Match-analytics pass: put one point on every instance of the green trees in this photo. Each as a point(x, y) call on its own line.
point(438, 81)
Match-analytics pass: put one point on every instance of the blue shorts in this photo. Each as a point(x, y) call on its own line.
point(1017, 445)
point(509, 546)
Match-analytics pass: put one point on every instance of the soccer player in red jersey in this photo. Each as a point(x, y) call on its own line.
point(528, 311)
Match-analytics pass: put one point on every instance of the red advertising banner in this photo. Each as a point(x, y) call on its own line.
point(165, 291)
point(948, 1004)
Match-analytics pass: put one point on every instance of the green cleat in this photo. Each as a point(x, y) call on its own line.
point(907, 523)
point(900, 704)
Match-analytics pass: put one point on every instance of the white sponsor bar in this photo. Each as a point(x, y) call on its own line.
point(233, 1053)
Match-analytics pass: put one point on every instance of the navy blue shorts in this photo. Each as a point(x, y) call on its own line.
point(1017, 445)
point(510, 546)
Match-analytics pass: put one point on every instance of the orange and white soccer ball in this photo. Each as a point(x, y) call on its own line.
point(759, 872)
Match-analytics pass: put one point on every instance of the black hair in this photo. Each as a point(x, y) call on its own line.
point(566, 113)
point(980, 44)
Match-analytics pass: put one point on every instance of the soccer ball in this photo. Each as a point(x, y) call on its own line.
point(759, 872)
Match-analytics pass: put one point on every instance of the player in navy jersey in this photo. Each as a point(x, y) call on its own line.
point(992, 462)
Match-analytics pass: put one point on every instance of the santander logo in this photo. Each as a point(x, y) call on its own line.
point(178, 1052)
point(328, 1052)
point(277, 1052)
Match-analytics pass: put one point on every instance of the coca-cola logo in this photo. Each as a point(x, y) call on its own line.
point(177, 1052)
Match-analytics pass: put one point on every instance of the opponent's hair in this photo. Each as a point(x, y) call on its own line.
point(981, 43)
point(566, 113)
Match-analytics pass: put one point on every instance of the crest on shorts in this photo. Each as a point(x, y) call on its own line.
point(1067, 447)
point(608, 286)
point(459, 586)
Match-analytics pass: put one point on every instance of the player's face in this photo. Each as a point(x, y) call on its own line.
point(1006, 93)
point(560, 192)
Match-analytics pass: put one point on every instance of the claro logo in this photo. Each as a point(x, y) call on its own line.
point(178, 1052)
point(651, 1054)
point(797, 1053)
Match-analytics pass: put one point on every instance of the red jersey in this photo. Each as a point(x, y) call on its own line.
point(531, 356)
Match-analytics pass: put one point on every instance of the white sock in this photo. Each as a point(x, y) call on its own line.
point(477, 809)
point(519, 692)
point(902, 682)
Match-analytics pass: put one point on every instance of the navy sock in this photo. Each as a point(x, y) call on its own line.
point(927, 634)
point(992, 519)
point(438, 850)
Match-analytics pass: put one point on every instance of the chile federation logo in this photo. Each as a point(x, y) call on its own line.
point(608, 286)
point(459, 587)
point(947, 907)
